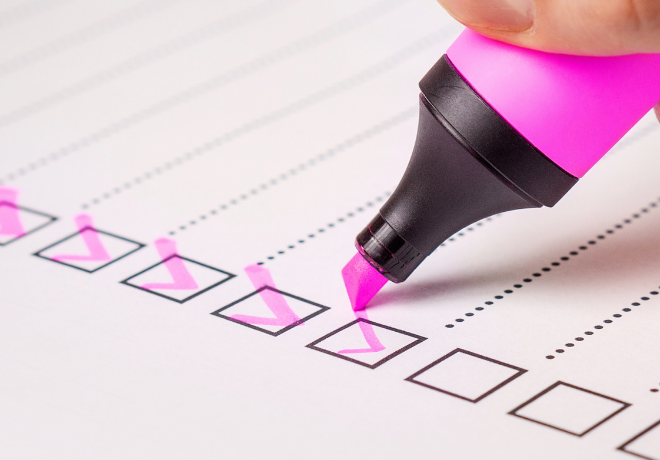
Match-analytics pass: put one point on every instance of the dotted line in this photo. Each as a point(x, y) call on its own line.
point(360, 209)
point(150, 56)
point(555, 264)
point(330, 226)
point(99, 28)
point(629, 141)
point(22, 12)
point(606, 321)
point(265, 120)
point(267, 60)
point(327, 154)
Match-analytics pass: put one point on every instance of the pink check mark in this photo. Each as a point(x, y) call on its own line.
point(96, 252)
point(10, 220)
point(369, 336)
point(181, 277)
point(276, 303)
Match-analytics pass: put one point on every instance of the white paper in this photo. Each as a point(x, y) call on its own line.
point(235, 133)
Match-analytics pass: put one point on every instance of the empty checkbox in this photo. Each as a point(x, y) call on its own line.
point(569, 408)
point(466, 375)
point(645, 444)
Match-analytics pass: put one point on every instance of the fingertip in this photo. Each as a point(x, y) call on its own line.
point(504, 15)
point(578, 27)
point(512, 37)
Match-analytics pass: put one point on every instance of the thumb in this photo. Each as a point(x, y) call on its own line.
point(593, 27)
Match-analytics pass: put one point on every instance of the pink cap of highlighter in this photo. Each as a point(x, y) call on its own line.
point(500, 128)
point(572, 108)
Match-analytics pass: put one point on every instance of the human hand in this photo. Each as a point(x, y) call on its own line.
point(586, 27)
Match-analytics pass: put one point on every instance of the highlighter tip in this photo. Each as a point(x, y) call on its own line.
point(362, 281)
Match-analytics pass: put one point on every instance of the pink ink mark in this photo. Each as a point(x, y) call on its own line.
point(181, 277)
point(276, 303)
point(362, 281)
point(369, 335)
point(10, 220)
point(96, 252)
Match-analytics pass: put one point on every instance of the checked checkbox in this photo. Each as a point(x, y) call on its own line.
point(268, 309)
point(177, 278)
point(17, 221)
point(89, 249)
point(365, 342)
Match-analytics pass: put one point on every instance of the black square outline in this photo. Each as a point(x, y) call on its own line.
point(229, 276)
point(520, 372)
point(38, 253)
point(22, 208)
point(623, 446)
point(419, 340)
point(321, 308)
point(555, 385)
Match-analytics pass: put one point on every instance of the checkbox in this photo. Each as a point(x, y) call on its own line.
point(89, 250)
point(270, 310)
point(178, 279)
point(367, 343)
point(466, 375)
point(17, 222)
point(645, 444)
point(570, 409)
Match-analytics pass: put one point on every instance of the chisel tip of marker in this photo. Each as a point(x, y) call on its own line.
point(362, 281)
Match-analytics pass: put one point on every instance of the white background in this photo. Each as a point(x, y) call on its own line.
point(147, 137)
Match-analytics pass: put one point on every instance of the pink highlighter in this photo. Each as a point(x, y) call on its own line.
point(500, 128)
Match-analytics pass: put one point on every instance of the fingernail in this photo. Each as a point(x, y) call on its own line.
point(513, 15)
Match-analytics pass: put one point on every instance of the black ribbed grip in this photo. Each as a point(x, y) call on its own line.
point(390, 254)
